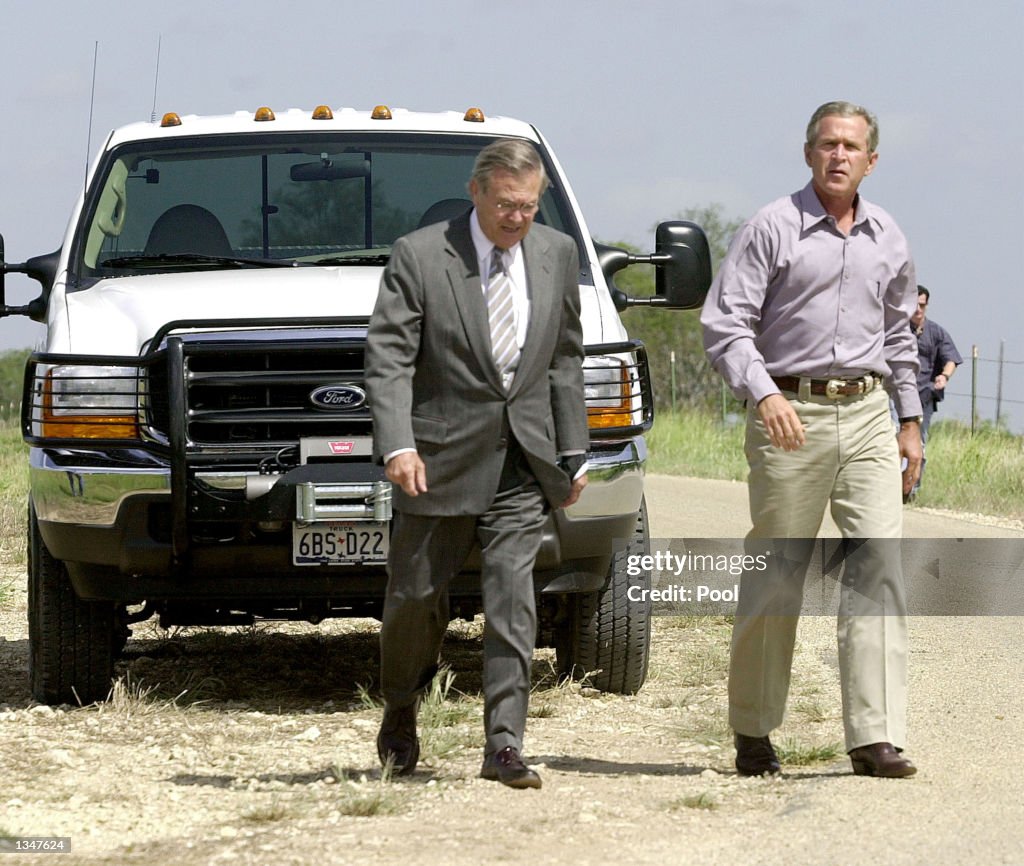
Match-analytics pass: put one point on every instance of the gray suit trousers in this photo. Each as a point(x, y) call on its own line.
point(426, 552)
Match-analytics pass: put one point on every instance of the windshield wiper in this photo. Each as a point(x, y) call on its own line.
point(343, 259)
point(195, 258)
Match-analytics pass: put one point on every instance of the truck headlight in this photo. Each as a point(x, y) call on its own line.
point(608, 392)
point(88, 402)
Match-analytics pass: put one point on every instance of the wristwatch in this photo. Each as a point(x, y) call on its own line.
point(917, 419)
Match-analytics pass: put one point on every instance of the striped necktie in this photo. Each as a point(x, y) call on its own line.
point(501, 316)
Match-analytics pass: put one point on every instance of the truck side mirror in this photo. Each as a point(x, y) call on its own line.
point(683, 276)
point(683, 268)
point(42, 269)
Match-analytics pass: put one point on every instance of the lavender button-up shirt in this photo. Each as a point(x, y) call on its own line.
point(796, 297)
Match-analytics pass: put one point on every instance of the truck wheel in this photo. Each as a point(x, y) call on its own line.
point(71, 642)
point(609, 636)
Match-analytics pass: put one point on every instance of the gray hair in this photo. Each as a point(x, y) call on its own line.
point(513, 155)
point(843, 109)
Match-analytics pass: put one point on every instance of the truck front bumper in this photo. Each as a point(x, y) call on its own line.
point(110, 515)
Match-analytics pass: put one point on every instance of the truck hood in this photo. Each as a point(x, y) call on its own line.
point(119, 316)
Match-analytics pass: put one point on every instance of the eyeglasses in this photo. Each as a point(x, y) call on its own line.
point(527, 209)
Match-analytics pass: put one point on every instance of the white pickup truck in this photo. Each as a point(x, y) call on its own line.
point(200, 437)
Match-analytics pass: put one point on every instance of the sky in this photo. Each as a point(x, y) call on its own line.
point(652, 106)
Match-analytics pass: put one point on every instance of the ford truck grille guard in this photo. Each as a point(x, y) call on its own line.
point(219, 397)
point(224, 400)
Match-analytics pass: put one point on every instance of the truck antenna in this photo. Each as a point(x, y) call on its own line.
point(92, 103)
point(156, 78)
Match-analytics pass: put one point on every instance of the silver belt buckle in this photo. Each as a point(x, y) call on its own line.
point(832, 387)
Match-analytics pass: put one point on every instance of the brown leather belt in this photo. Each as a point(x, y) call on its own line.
point(832, 388)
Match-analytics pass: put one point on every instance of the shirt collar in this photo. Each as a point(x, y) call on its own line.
point(484, 247)
point(812, 211)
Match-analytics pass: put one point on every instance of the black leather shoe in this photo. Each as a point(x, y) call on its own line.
point(397, 739)
point(882, 760)
point(508, 768)
point(755, 756)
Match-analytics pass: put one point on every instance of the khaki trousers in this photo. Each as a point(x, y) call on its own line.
point(850, 463)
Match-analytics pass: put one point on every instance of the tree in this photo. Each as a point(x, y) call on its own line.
point(696, 383)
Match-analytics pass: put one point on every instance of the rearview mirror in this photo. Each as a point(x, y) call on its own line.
point(326, 169)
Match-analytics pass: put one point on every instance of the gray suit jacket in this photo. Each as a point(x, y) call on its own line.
point(433, 385)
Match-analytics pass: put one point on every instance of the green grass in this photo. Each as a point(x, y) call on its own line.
point(983, 473)
point(698, 445)
point(448, 720)
point(794, 753)
point(13, 495)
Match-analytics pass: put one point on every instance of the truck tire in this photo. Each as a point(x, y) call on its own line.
point(71, 641)
point(609, 636)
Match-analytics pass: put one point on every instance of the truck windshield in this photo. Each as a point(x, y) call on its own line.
point(275, 199)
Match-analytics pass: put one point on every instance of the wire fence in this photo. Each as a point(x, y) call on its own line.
point(995, 404)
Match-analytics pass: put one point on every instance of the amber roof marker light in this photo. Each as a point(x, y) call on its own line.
point(263, 114)
point(323, 112)
point(474, 115)
point(170, 119)
point(381, 112)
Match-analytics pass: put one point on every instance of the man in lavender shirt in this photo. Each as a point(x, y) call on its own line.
point(808, 322)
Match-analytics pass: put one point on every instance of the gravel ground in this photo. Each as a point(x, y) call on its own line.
point(255, 746)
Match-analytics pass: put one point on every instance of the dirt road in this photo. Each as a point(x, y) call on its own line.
point(255, 747)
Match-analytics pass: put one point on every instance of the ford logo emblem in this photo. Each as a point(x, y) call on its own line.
point(338, 397)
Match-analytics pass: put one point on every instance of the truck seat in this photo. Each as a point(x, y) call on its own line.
point(444, 210)
point(188, 228)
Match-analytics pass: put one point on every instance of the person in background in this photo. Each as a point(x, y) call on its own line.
point(939, 359)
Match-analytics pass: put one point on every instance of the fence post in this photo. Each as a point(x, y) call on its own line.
point(999, 384)
point(672, 377)
point(974, 386)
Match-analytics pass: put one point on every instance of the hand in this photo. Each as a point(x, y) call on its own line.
point(577, 489)
point(909, 440)
point(408, 472)
point(785, 430)
point(940, 382)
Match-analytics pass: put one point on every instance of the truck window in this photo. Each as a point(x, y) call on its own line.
point(315, 200)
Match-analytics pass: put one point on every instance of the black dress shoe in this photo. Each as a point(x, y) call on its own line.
point(882, 760)
point(397, 739)
point(755, 756)
point(508, 768)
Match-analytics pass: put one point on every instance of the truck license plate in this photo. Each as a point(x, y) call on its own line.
point(340, 543)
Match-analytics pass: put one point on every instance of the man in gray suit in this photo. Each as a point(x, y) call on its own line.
point(474, 373)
